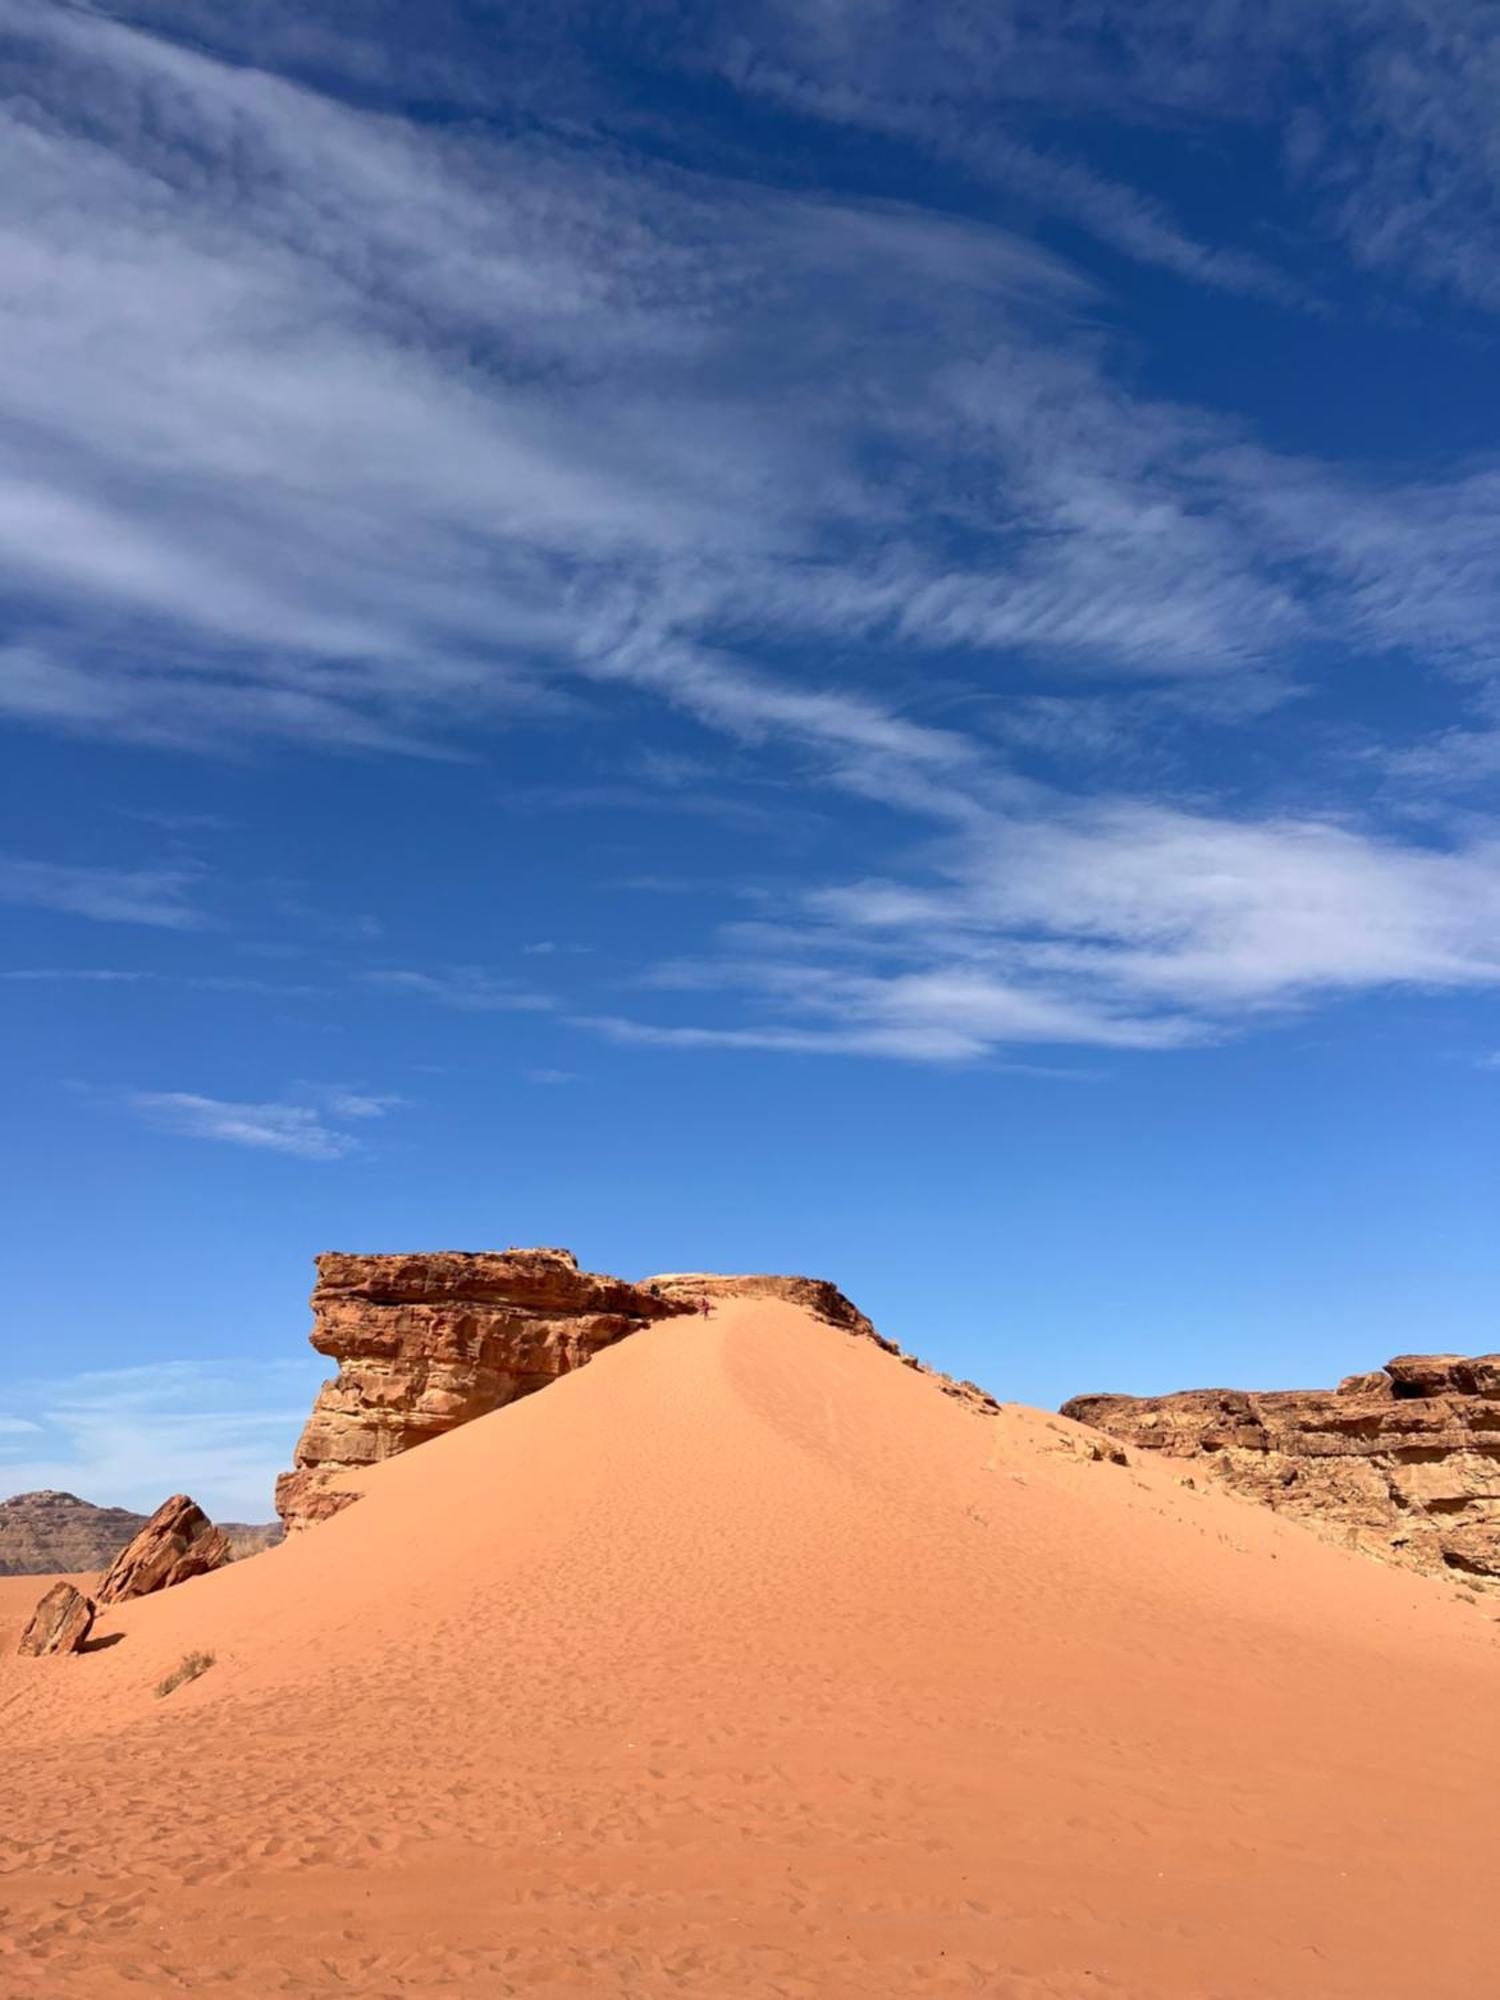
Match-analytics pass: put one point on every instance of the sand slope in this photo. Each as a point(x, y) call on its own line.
point(746, 1662)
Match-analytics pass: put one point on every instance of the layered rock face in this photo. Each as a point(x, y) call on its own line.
point(43, 1533)
point(178, 1542)
point(425, 1343)
point(1403, 1463)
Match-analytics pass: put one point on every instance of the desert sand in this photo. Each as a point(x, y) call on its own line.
point(744, 1661)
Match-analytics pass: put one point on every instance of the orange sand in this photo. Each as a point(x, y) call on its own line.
point(745, 1662)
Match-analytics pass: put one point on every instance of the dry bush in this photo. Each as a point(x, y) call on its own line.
point(187, 1669)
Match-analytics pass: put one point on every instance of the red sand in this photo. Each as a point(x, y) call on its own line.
point(746, 1662)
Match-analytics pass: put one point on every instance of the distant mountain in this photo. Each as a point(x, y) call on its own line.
point(43, 1534)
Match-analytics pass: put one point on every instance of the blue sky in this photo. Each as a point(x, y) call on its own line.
point(839, 638)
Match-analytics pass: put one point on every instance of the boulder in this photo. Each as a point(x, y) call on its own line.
point(1402, 1462)
point(178, 1542)
point(60, 1623)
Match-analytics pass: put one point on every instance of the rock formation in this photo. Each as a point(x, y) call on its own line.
point(425, 1343)
point(60, 1623)
point(1402, 1463)
point(814, 1295)
point(178, 1542)
point(42, 1534)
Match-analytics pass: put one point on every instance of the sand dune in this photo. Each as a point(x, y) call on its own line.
point(745, 1662)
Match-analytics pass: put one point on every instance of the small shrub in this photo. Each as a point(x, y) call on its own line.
point(188, 1668)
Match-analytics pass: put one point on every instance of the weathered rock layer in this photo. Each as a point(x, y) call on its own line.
point(1403, 1463)
point(425, 1343)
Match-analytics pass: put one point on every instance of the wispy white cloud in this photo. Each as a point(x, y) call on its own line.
point(84, 975)
point(197, 982)
point(1113, 924)
point(220, 1430)
point(330, 424)
point(341, 1103)
point(842, 90)
point(324, 423)
point(464, 988)
point(1398, 147)
point(155, 896)
point(308, 1127)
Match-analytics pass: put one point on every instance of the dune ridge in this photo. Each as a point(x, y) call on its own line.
point(744, 1661)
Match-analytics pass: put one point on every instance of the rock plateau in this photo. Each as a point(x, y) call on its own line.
point(1402, 1463)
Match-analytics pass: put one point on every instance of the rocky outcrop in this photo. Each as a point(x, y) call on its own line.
point(819, 1298)
point(425, 1343)
point(42, 1534)
point(428, 1342)
point(177, 1543)
point(60, 1623)
point(815, 1295)
point(1402, 1463)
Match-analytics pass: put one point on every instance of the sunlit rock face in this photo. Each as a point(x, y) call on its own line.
point(60, 1624)
point(1403, 1462)
point(176, 1544)
point(425, 1343)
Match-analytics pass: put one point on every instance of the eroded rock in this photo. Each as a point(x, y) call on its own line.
point(178, 1542)
point(815, 1295)
point(1402, 1462)
point(60, 1623)
point(426, 1343)
point(820, 1298)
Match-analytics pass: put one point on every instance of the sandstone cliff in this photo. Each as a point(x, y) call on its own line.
point(1403, 1463)
point(425, 1343)
point(47, 1533)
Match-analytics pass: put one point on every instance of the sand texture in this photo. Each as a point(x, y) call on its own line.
point(745, 1662)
